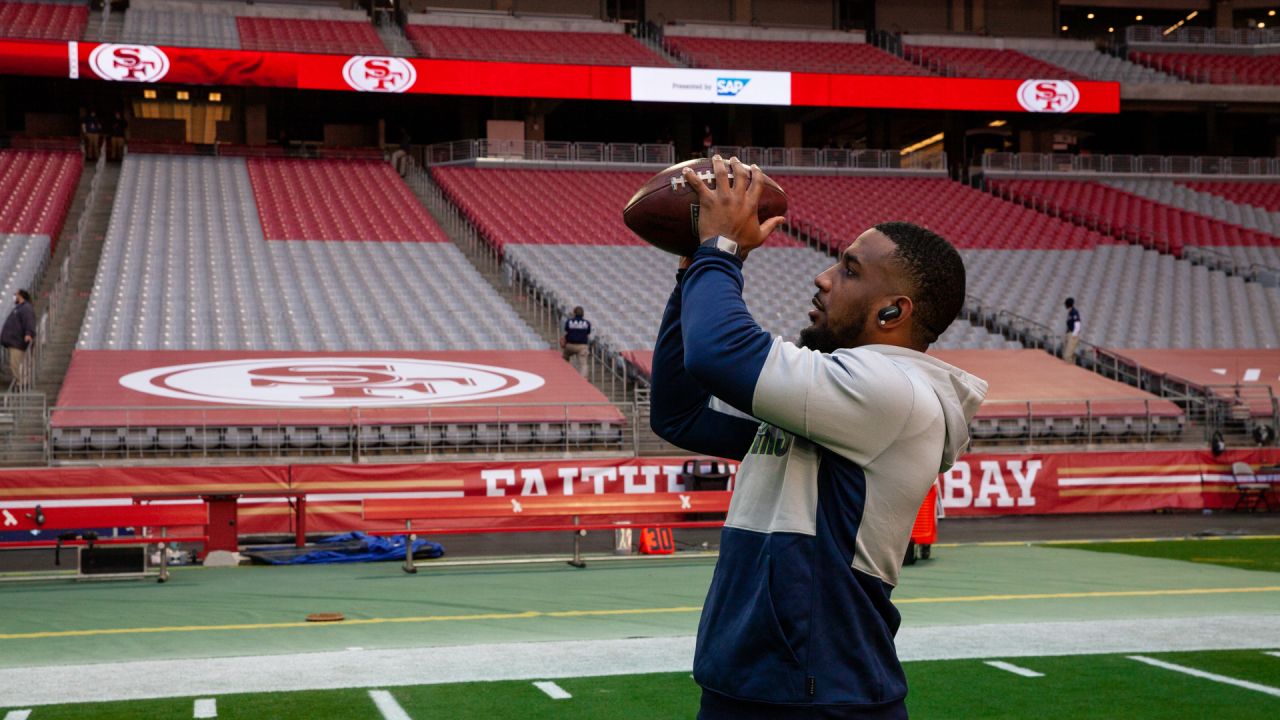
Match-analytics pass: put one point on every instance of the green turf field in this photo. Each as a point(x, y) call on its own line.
point(1112, 686)
point(1245, 554)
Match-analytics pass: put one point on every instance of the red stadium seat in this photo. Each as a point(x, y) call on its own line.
point(337, 200)
point(1215, 69)
point(43, 21)
point(465, 43)
point(837, 57)
point(1265, 195)
point(36, 188)
point(315, 36)
point(986, 63)
point(1129, 216)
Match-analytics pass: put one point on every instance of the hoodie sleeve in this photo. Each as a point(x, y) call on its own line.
point(853, 402)
point(683, 412)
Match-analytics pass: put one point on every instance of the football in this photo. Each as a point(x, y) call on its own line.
point(664, 211)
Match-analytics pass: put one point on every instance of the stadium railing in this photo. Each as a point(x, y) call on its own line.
point(1146, 165)
point(1151, 34)
point(663, 154)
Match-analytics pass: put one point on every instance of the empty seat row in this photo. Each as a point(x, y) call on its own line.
point(468, 43)
point(985, 63)
point(1215, 69)
point(43, 21)
point(831, 57)
point(36, 190)
point(186, 266)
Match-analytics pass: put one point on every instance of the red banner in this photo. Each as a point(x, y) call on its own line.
point(127, 62)
point(1076, 482)
point(979, 485)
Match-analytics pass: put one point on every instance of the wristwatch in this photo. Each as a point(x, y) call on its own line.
point(723, 244)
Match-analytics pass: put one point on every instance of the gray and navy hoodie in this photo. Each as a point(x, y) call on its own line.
point(838, 451)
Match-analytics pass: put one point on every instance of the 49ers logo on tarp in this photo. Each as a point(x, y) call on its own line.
point(379, 74)
point(129, 63)
point(332, 382)
point(1048, 96)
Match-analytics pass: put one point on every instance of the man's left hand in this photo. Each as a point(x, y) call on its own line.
point(732, 211)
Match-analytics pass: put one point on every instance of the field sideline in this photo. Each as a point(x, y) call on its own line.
point(451, 627)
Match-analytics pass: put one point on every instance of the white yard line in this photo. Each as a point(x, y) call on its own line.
point(206, 708)
point(1272, 653)
point(388, 706)
point(553, 690)
point(203, 677)
point(1010, 667)
point(17, 715)
point(1208, 675)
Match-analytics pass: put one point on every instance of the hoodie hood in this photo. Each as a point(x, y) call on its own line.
point(959, 393)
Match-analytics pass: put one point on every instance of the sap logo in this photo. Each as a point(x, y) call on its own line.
point(730, 86)
point(993, 488)
point(1048, 96)
point(129, 63)
point(379, 74)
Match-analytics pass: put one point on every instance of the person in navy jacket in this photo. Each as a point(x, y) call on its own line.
point(840, 437)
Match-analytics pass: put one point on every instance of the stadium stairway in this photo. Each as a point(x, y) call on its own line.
point(84, 267)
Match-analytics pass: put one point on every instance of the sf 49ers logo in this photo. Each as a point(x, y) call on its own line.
point(1048, 96)
point(129, 63)
point(320, 381)
point(352, 381)
point(379, 74)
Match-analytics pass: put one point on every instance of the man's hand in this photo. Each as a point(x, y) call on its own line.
point(732, 211)
point(27, 338)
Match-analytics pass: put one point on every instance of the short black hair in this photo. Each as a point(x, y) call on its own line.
point(26, 296)
point(936, 273)
point(1071, 302)
point(577, 311)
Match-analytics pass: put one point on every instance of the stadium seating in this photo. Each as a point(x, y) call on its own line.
point(844, 207)
point(36, 188)
point(1130, 296)
point(1265, 195)
point(1101, 66)
point(43, 20)
point(169, 27)
point(186, 266)
point(468, 43)
point(1142, 219)
point(833, 57)
point(985, 63)
point(1215, 69)
point(21, 259)
point(309, 36)
point(337, 200)
point(510, 206)
point(585, 263)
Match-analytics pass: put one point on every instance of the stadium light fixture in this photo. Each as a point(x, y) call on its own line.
point(1138, 18)
point(1271, 13)
point(1089, 16)
point(184, 95)
point(215, 97)
point(922, 144)
point(1111, 29)
point(149, 94)
point(997, 123)
point(1064, 28)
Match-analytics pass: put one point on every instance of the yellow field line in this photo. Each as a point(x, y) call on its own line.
point(529, 614)
point(1095, 594)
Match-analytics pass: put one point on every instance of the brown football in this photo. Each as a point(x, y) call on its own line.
point(664, 211)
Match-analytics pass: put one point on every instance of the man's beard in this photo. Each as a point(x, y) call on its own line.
point(825, 340)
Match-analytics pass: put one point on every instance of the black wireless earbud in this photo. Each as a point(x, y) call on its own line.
point(888, 313)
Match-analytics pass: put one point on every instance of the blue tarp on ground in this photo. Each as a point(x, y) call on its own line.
point(348, 548)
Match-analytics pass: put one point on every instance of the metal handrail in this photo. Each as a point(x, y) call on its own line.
point(1146, 165)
